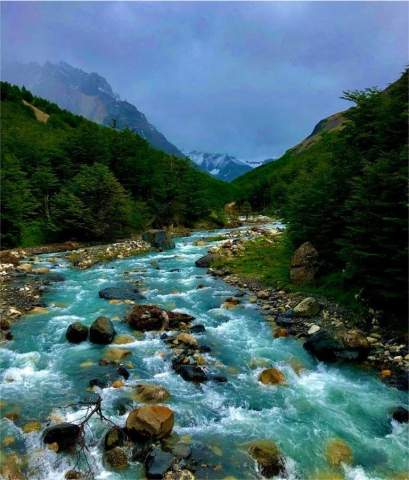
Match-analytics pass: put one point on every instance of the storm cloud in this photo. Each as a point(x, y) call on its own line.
point(249, 79)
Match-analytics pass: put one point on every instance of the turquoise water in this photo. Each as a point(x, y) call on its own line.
point(41, 375)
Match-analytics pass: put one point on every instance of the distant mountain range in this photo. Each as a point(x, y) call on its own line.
point(86, 94)
point(221, 165)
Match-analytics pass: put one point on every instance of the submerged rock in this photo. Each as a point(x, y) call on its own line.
point(148, 393)
point(65, 435)
point(114, 356)
point(338, 452)
point(102, 331)
point(121, 292)
point(54, 277)
point(76, 332)
point(267, 456)
point(187, 339)
point(158, 463)
point(154, 422)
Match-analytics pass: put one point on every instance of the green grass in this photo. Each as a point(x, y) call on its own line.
point(269, 263)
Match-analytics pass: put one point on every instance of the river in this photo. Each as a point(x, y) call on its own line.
point(41, 373)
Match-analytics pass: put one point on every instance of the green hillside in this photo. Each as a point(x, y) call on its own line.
point(64, 177)
point(344, 189)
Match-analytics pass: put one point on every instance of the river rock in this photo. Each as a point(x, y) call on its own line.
point(313, 329)
point(158, 463)
point(192, 373)
point(116, 458)
point(114, 437)
point(54, 277)
point(102, 331)
point(304, 264)
point(309, 307)
point(121, 292)
point(355, 339)
point(338, 452)
point(327, 348)
point(159, 239)
point(24, 267)
point(63, 434)
point(205, 262)
point(40, 271)
point(151, 317)
point(184, 474)
point(148, 393)
point(197, 328)
point(401, 415)
point(154, 422)
point(187, 339)
point(76, 332)
point(267, 456)
point(114, 356)
point(271, 376)
point(123, 372)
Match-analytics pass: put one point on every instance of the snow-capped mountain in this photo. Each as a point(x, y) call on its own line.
point(221, 165)
point(86, 94)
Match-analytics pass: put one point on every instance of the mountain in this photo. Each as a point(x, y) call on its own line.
point(223, 166)
point(86, 94)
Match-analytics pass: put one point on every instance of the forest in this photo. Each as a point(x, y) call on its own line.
point(346, 192)
point(68, 178)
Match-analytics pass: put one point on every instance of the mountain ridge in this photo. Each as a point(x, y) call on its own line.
point(86, 94)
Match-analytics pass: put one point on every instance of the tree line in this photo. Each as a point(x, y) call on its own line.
point(347, 193)
point(69, 178)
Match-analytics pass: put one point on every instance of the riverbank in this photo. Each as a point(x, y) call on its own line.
point(241, 403)
point(235, 260)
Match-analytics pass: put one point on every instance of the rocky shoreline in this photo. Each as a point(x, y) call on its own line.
point(321, 324)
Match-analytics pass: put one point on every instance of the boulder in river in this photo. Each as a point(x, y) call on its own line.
point(309, 307)
point(206, 261)
point(158, 463)
point(159, 239)
point(54, 277)
point(151, 317)
point(272, 376)
point(114, 356)
point(116, 458)
point(76, 332)
point(150, 421)
point(328, 348)
point(304, 264)
point(401, 415)
point(187, 339)
point(197, 328)
point(149, 393)
point(192, 373)
point(114, 437)
point(268, 457)
point(121, 292)
point(102, 331)
point(65, 435)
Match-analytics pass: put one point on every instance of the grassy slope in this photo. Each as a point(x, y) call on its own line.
point(270, 265)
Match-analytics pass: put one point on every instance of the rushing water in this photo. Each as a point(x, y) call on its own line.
point(42, 373)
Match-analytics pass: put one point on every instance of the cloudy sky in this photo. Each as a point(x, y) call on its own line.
point(250, 79)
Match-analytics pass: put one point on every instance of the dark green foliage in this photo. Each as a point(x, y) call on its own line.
point(93, 204)
point(72, 178)
point(346, 192)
